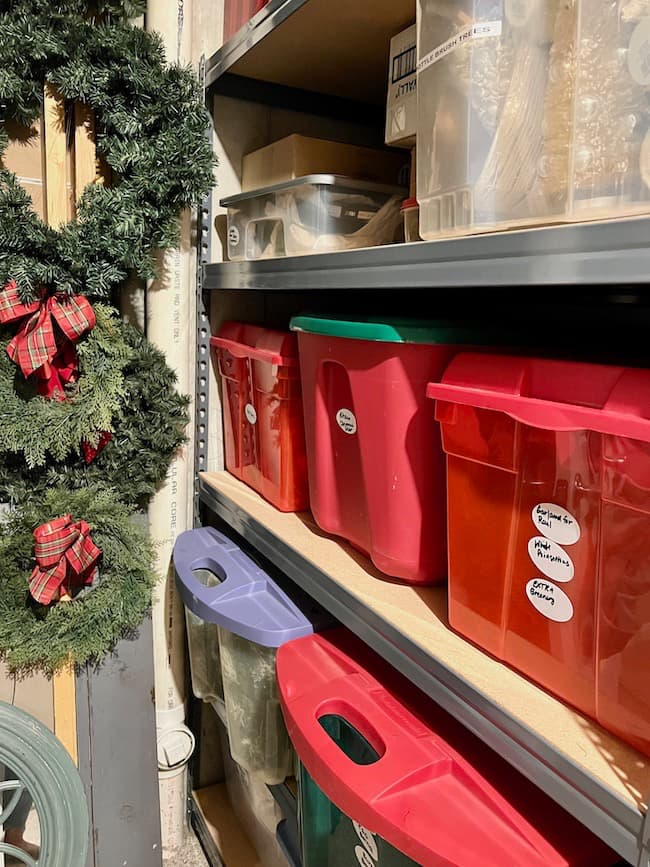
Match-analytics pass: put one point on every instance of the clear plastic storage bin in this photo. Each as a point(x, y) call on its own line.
point(313, 214)
point(530, 113)
point(252, 616)
point(254, 806)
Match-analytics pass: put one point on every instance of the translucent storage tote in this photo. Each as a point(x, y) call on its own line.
point(373, 477)
point(388, 778)
point(548, 466)
point(313, 214)
point(262, 412)
point(254, 806)
point(249, 616)
point(531, 113)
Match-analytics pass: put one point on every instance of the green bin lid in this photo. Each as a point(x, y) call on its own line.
point(397, 330)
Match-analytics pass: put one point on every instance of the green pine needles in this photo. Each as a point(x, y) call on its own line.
point(150, 125)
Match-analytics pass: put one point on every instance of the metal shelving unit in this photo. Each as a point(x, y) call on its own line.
point(589, 254)
point(613, 256)
point(622, 825)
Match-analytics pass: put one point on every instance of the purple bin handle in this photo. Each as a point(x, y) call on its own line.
point(246, 601)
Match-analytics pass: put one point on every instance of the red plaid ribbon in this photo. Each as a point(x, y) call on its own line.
point(90, 452)
point(44, 342)
point(66, 558)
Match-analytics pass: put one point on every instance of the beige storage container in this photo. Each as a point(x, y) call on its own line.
point(297, 156)
point(531, 112)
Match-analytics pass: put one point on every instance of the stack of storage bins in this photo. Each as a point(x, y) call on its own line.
point(531, 113)
point(262, 411)
point(388, 778)
point(303, 195)
point(374, 478)
point(549, 525)
point(243, 611)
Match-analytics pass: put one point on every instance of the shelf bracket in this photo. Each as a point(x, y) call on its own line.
point(202, 381)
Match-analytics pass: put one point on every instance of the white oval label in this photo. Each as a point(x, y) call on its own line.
point(233, 236)
point(556, 523)
point(251, 414)
point(552, 560)
point(638, 53)
point(550, 600)
point(347, 421)
point(368, 840)
point(363, 857)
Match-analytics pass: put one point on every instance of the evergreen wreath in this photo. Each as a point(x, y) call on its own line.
point(148, 427)
point(33, 637)
point(150, 130)
point(150, 125)
point(35, 428)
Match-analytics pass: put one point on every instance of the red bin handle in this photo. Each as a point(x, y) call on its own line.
point(241, 350)
point(545, 414)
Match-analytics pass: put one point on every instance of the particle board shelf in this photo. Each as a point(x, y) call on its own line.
point(280, 44)
point(608, 253)
point(594, 775)
point(219, 829)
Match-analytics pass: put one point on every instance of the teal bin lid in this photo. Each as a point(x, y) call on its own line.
point(394, 330)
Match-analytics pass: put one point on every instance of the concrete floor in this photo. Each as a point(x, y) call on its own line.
point(191, 856)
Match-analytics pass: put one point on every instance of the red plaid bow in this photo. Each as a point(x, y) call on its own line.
point(66, 558)
point(39, 347)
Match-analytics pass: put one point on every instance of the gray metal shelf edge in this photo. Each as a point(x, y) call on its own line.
point(270, 17)
point(605, 253)
point(614, 820)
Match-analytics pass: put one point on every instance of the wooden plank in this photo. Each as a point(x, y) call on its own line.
point(421, 614)
point(65, 710)
point(350, 41)
point(85, 165)
point(233, 845)
point(55, 157)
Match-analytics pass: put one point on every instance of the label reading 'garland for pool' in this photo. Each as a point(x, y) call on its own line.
point(556, 523)
point(550, 600)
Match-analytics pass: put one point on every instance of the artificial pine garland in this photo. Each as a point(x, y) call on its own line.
point(150, 132)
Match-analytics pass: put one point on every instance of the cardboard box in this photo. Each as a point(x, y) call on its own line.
point(296, 156)
point(25, 157)
point(402, 106)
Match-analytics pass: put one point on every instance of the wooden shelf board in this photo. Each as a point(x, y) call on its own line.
point(332, 47)
point(233, 845)
point(421, 615)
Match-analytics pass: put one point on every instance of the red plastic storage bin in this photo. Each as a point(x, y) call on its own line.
point(262, 410)
point(374, 477)
point(239, 12)
point(428, 787)
point(548, 468)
